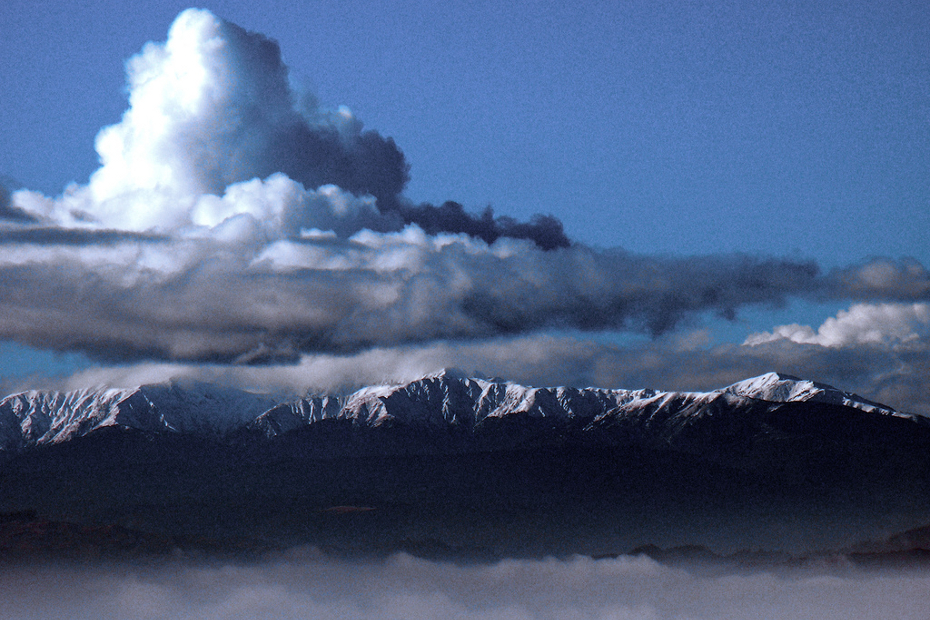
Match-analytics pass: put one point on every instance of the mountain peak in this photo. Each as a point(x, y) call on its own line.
point(775, 387)
point(447, 373)
point(784, 388)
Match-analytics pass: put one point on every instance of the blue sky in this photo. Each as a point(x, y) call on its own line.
point(795, 131)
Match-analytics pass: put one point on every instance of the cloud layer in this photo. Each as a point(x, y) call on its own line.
point(234, 295)
point(313, 586)
point(686, 361)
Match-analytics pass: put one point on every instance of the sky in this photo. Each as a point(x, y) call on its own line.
point(684, 194)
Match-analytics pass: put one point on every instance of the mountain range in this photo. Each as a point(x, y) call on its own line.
point(446, 399)
point(450, 464)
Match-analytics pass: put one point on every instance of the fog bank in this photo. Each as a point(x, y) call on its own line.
point(306, 584)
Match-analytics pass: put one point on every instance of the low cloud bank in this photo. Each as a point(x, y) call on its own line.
point(210, 299)
point(405, 587)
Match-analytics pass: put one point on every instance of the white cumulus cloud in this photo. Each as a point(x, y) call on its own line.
point(887, 324)
point(209, 109)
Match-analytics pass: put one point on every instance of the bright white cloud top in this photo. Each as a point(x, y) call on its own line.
point(893, 325)
point(209, 108)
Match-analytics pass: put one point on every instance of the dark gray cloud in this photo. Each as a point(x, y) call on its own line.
point(207, 300)
point(880, 279)
point(318, 148)
point(257, 301)
point(545, 231)
point(310, 146)
point(51, 236)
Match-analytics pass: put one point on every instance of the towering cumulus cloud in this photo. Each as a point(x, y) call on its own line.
point(209, 108)
point(231, 221)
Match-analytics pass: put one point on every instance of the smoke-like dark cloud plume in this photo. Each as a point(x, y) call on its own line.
point(319, 153)
point(545, 231)
point(308, 145)
point(315, 156)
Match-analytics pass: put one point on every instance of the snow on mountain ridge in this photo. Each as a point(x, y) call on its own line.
point(449, 397)
point(440, 400)
point(782, 388)
point(35, 417)
point(201, 408)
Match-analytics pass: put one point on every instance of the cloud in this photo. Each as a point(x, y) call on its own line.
point(232, 222)
point(888, 324)
point(879, 350)
point(236, 294)
point(9, 212)
point(535, 360)
point(680, 361)
point(310, 585)
point(212, 109)
point(243, 292)
point(881, 279)
point(543, 230)
point(51, 236)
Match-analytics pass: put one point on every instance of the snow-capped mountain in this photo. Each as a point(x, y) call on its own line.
point(446, 399)
point(449, 463)
point(779, 388)
point(36, 418)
